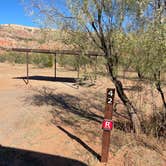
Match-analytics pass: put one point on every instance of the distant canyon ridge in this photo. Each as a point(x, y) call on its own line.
point(19, 36)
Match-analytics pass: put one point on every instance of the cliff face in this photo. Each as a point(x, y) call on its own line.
point(18, 36)
point(29, 37)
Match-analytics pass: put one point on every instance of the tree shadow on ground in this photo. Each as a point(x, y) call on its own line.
point(89, 149)
point(133, 88)
point(20, 157)
point(127, 77)
point(76, 112)
point(136, 78)
point(71, 112)
point(64, 104)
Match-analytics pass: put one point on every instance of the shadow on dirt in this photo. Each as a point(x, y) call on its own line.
point(64, 104)
point(77, 112)
point(80, 142)
point(133, 88)
point(20, 157)
point(47, 78)
point(128, 77)
point(70, 111)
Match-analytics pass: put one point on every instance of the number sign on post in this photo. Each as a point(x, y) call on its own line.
point(107, 124)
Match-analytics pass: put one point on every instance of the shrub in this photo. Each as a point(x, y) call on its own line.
point(42, 60)
point(20, 59)
point(68, 60)
point(13, 57)
point(2, 58)
point(156, 125)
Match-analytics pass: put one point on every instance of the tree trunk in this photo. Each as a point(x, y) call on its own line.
point(107, 46)
point(131, 109)
point(158, 87)
point(140, 75)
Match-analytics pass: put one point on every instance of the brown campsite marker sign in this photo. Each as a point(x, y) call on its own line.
point(107, 124)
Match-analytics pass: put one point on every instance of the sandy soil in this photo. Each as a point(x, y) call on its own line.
point(24, 125)
point(43, 117)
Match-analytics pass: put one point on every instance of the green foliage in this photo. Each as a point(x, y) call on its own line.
point(129, 33)
point(74, 61)
point(41, 60)
point(2, 58)
point(68, 61)
point(145, 52)
point(13, 57)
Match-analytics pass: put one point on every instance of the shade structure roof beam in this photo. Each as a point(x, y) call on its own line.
point(67, 52)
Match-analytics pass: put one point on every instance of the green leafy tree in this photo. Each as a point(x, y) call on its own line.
point(147, 48)
point(94, 25)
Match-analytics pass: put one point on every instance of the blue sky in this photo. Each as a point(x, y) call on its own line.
point(12, 12)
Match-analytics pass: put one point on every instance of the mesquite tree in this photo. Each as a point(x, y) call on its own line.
point(93, 24)
point(159, 28)
point(146, 47)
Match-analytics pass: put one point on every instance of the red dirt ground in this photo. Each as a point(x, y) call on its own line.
point(27, 120)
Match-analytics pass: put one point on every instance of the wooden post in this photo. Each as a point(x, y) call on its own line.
point(55, 65)
point(27, 66)
point(108, 123)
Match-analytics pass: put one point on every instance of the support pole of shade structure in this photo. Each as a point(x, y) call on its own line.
point(95, 68)
point(27, 67)
point(55, 65)
point(78, 71)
